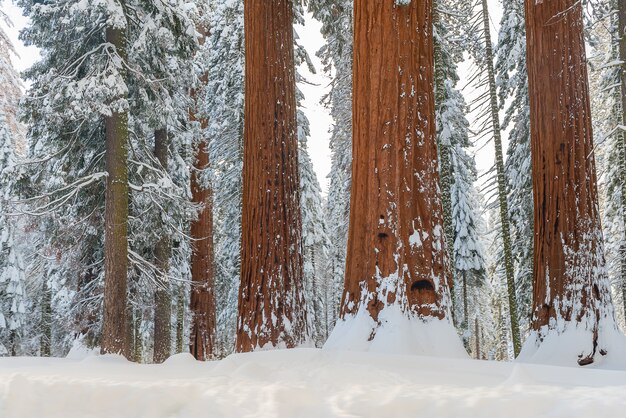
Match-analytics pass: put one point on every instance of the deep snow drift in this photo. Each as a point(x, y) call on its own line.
point(305, 383)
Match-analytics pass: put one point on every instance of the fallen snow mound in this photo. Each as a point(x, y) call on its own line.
point(305, 383)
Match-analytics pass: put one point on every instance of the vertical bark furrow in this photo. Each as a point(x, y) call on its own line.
point(271, 303)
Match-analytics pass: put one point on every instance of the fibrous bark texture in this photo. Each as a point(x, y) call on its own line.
point(202, 343)
point(162, 251)
point(571, 287)
point(396, 242)
point(203, 326)
point(271, 303)
point(115, 323)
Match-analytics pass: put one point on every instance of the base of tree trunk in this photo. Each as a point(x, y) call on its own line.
point(577, 343)
point(396, 332)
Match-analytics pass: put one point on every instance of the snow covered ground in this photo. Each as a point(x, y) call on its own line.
point(305, 383)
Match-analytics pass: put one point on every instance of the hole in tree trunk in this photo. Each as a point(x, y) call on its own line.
point(422, 285)
point(382, 235)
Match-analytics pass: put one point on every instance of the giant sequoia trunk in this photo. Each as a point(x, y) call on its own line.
point(271, 304)
point(397, 274)
point(571, 295)
point(162, 251)
point(114, 332)
point(203, 326)
point(203, 308)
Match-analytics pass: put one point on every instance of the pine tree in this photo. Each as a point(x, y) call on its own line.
point(336, 18)
point(512, 83)
point(272, 311)
point(224, 106)
point(571, 294)
point(397, 269)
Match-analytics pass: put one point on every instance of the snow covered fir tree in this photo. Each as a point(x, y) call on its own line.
point(288, 208)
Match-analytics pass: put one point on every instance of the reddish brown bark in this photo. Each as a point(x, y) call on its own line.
point(203, 323)
point(271, 305)
point(202, 344)
point(396, 243)
point(570, 282)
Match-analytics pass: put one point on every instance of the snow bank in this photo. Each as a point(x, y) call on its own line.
point(566, 347)
point(305, 383)
point(396, 334)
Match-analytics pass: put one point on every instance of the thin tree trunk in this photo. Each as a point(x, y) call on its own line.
point(115, 323)
point(477, 338)
point(46, 322)
point(396, 243)
point(180, 319)
point(622, 143)
point(137, 346)
point(571, 288)
point(502, 191)
point(446, 175)
point(162, 251)
point(272, 311)
point(465, 307)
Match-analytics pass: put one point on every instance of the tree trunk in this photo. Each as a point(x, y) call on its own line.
point(115, 332)
point(203, 309)
point(162, 251)
point(622, 143)
point(571, 288)
point(477, 337)
point(396, 259)
point(445, 170)
point(202, 339)
point(271, 303)
point(180, 320)
point(45, 341)
point(502, 191)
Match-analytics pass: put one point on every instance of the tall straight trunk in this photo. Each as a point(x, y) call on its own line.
point(203, 326)
point(622, 143)
point(571, 288)
point(272, 311)
point(477, 336)
point(502, 191)
point(446, 175)
point(180, 320)
point(162, 251)
point(115, 332)
point(45, 341)
point(396, 259)
point(202, 343)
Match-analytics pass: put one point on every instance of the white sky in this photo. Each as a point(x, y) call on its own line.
point(317, 86)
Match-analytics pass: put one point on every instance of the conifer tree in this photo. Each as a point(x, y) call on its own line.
point(397, 269)
point(272, 310)
point(571, 295)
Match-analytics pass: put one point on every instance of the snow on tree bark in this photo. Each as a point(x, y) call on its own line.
point(202, 339)
point(272, 311)
point(162, 250)
point(621, 141)
point(396, 246)
point(571, 288)
point(114, 332)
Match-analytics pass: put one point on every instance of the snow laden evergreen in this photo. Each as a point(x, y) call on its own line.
point(13, 302)
point(606, 66)
point(224, 107)
point(458, 175)
point(512, 82)
point(336, 18)
point(77, 83)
